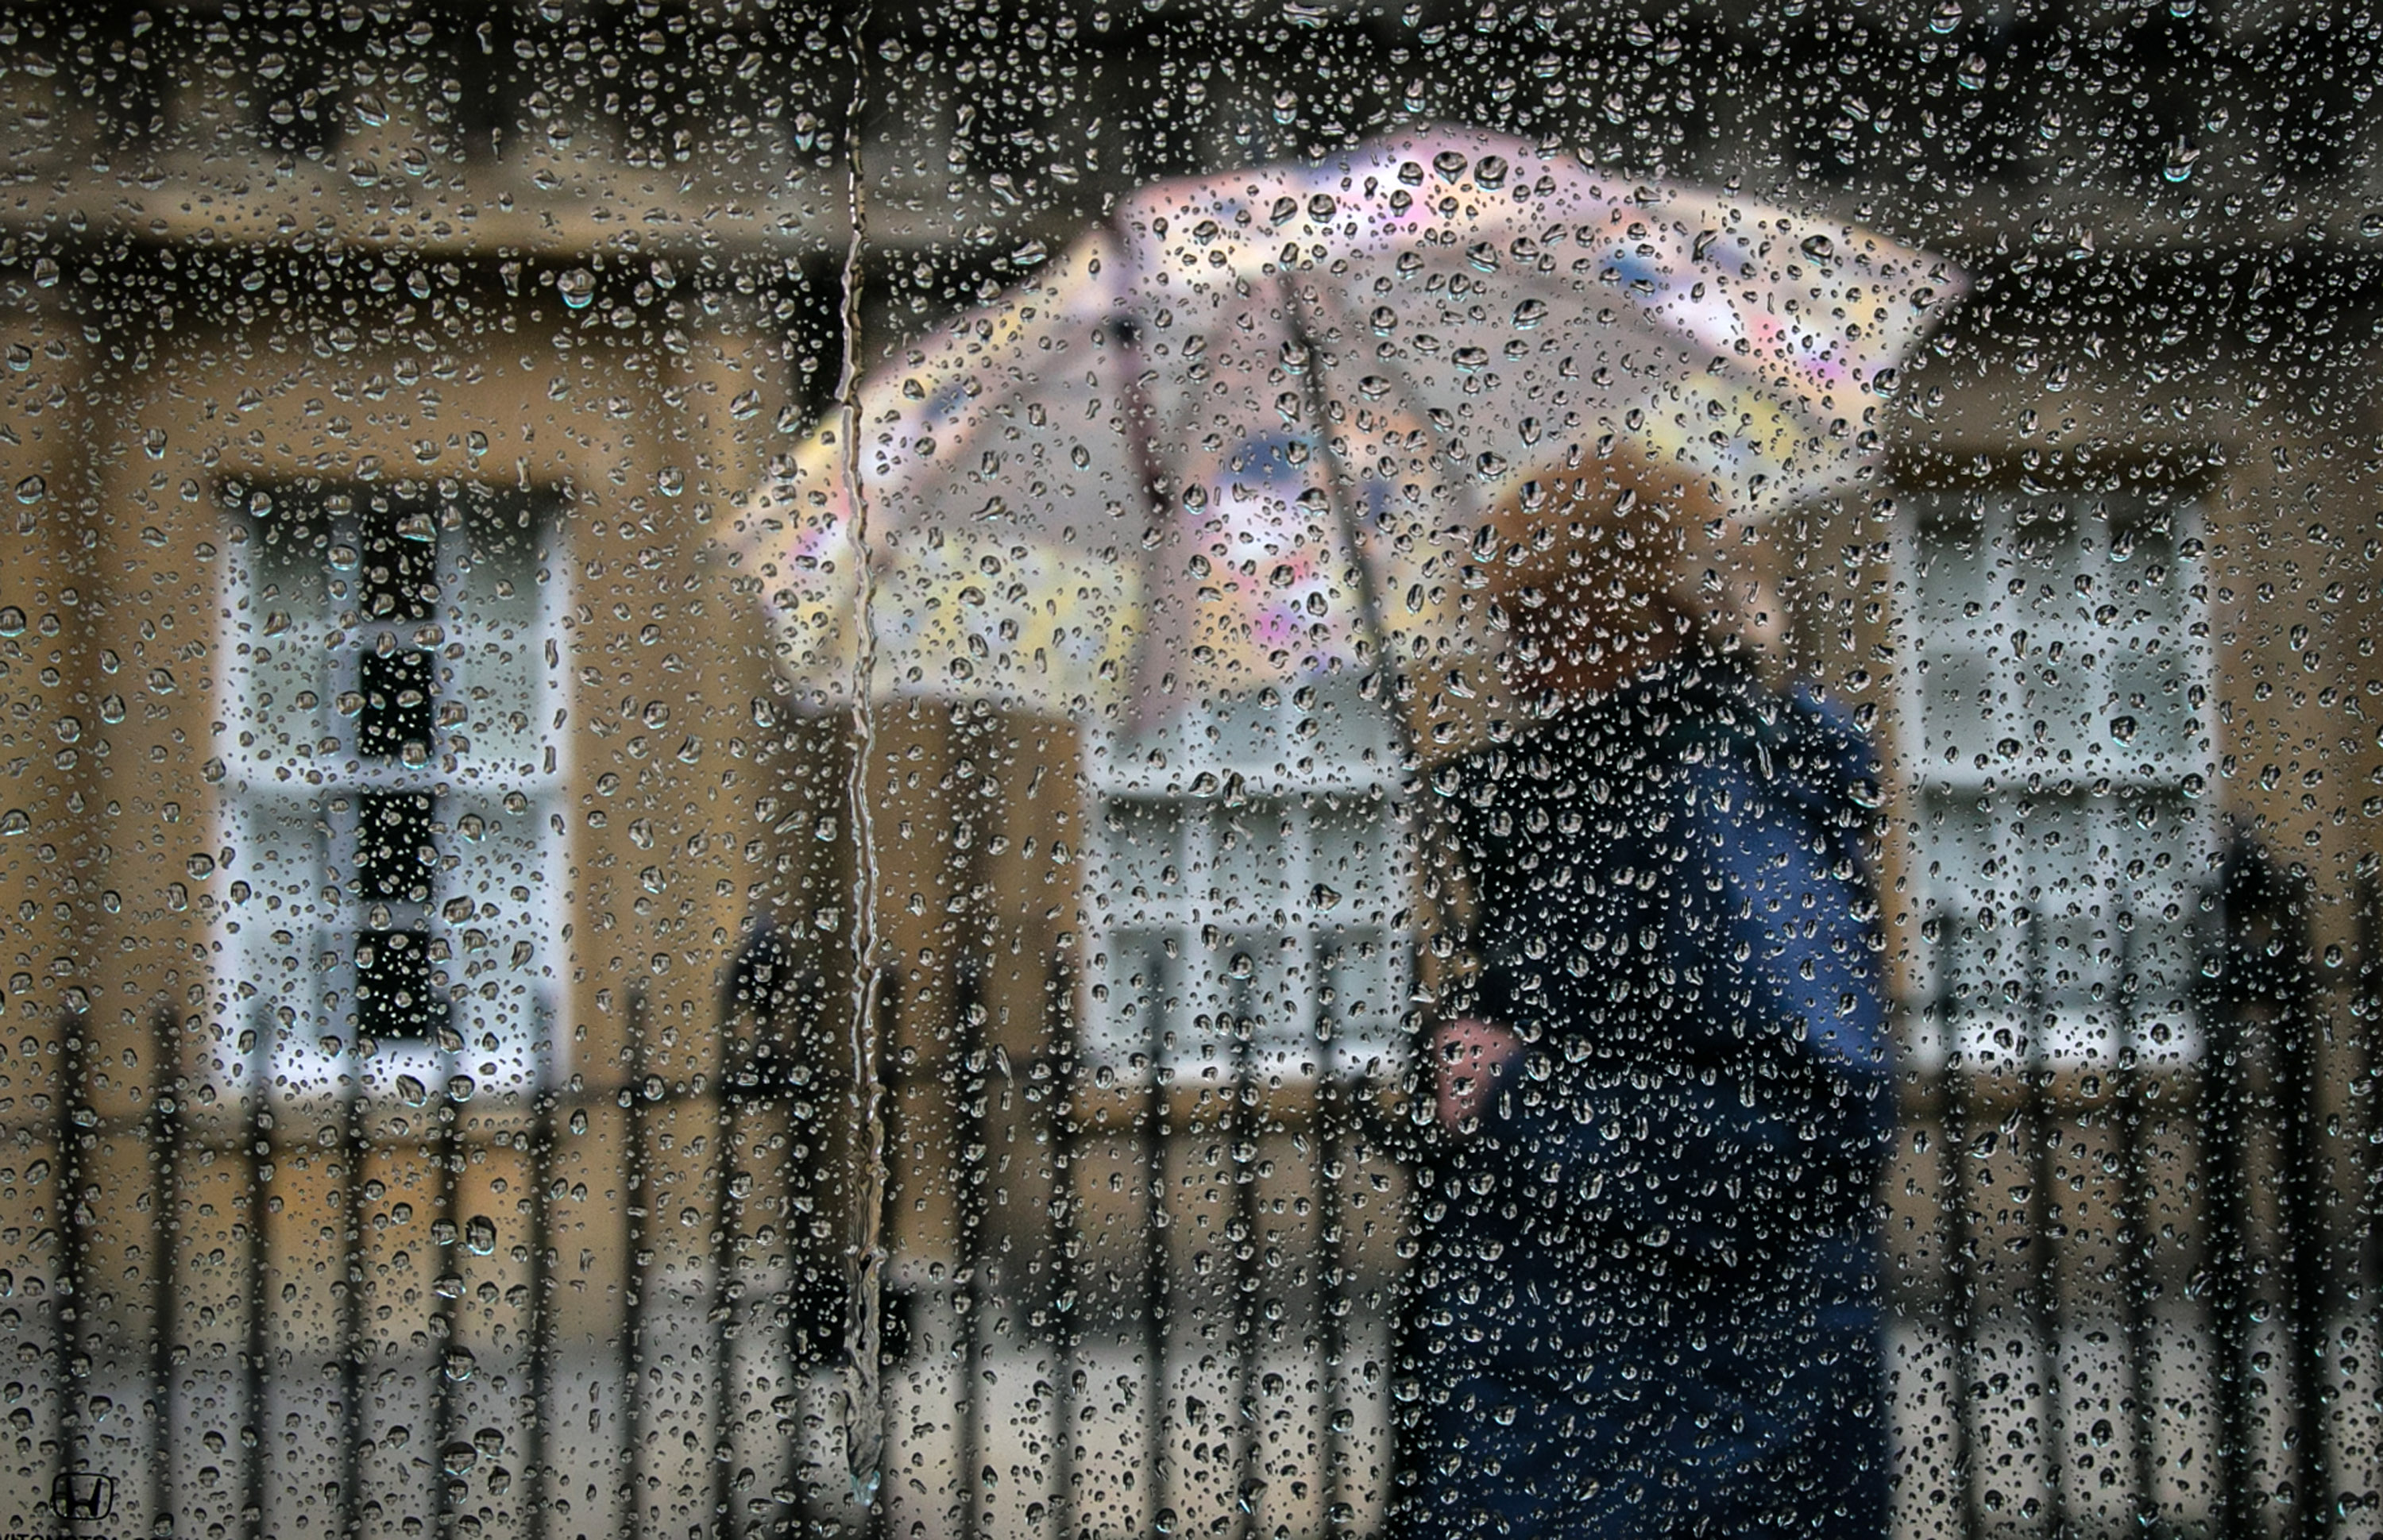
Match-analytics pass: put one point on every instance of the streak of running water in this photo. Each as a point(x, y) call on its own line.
point(864, 1429)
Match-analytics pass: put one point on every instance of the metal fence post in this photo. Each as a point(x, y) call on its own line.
point(2043, 1292)
point(636, 1266)
point(255, 1149)
point(1953, 1218)
point(970, 1061)
point(162, 1134)
point(2367, 1239)
point(74, 1258)
point(727, 1247)
point(2225, 1138)
point(2133, 1239)
point(2303, 1240)
point(446, 1156)
point(1067, 1221)
point(1157, 1278)
point(538, 1433)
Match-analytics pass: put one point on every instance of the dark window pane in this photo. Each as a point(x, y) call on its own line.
point(393, 993)
point(396, 687)
point(393, 849)
point(399, 544)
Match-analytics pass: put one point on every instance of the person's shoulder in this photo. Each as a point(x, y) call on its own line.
point(1697, 703)
point(1722, 718)
point(1821, 742)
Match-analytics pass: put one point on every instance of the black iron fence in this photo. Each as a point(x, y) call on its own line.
point(2136, 1287)
point(2135, 1291)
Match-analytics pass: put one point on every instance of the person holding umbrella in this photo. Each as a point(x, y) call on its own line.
point(1431, 413)
point(1650, 1300)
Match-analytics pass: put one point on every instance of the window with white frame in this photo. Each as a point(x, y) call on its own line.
point(1248, 893)
point(391, 787)
point(2059, 681)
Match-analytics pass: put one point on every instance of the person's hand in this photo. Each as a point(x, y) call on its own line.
point(1469, 1060)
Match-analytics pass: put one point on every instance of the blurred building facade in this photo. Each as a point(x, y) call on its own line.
point(430, 1080)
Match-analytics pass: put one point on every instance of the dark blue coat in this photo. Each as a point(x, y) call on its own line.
point(1649, 1302)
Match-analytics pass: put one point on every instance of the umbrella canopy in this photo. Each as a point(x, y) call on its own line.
point(1261, 426)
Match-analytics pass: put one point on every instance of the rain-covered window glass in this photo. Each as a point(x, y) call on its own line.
point(1316, 770)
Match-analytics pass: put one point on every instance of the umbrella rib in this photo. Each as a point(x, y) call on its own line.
point(1138, 410)
point(1475, 509)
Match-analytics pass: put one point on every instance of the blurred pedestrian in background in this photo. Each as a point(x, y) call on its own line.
point(1649, 1302)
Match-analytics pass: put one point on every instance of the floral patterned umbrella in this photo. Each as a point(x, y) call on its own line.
point(1250, 430)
